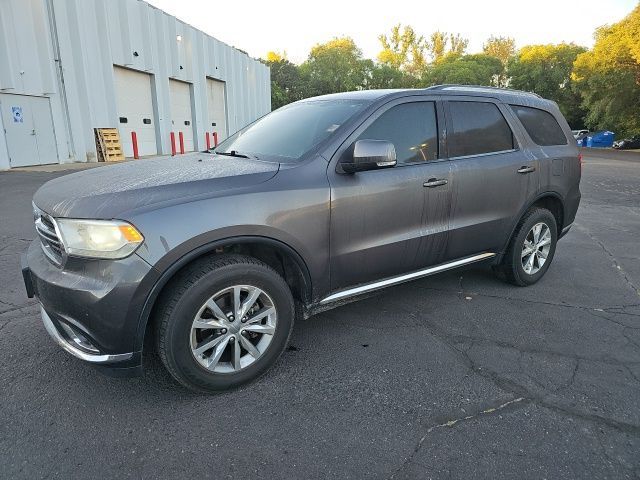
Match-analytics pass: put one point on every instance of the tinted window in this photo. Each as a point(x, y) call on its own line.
point(293, 130)
point(541, 126)
point(477, 128)
point(411, 127)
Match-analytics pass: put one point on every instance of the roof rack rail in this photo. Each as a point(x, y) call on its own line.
point(482, 88)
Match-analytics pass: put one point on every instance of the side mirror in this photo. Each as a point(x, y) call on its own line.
point(370, 155)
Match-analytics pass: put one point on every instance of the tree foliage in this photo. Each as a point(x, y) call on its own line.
point(546, 70)
point(403, 50)
point(384, 76)
point(287, 84)
point(334, 66)
point(276, 56)
point(441, 44)
point(608, 77)
point(503, 48)
point(478, 69)
point(599, 88)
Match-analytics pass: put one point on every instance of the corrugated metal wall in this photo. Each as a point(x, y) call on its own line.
point(95, 35)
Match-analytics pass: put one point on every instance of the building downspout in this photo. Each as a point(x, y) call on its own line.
point(53, 27)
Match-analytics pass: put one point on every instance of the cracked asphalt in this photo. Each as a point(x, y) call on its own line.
point(457, 376)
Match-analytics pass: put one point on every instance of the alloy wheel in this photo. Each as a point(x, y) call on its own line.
point(233, 329)
point(536, 248)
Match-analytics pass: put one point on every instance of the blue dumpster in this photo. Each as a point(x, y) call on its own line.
point(600, 139)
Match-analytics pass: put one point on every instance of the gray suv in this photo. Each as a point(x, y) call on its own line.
point(211, 256)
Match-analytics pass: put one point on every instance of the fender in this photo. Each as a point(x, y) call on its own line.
point(172, 269)
point(548, 193)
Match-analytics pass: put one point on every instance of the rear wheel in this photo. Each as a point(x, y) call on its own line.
point(531, 249)
point(224, 322)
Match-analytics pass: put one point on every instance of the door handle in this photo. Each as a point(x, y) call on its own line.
point(525, 169)
point(435, 182)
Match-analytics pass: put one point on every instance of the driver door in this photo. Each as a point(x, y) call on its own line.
point(394, 220)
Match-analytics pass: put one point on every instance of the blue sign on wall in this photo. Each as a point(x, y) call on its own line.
point(16, 113)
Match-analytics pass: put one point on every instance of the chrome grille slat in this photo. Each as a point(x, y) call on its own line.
point(50, 236)
point(49, 239)
point(48, 223)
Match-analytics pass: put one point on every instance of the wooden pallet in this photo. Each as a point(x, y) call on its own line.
point(108, 146)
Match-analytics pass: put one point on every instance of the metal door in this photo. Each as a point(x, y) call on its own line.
point(217, 107)
point(29, 131)
point(181, 115)
point(135, 111)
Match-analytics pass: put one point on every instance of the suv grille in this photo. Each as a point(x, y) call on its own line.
point(49, 239)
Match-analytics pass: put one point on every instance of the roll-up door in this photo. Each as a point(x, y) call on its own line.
point(181, 116)
point(135, 111)
point(217, 108)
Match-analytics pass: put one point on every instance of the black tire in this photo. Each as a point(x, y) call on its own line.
point(187, 294)
point(511, 268)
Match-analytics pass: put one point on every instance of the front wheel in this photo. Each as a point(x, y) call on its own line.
point(224, 322)
point(531, 249)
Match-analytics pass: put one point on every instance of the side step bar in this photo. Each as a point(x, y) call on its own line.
point(369, 287)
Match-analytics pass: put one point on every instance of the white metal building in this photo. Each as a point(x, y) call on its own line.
point(68, 67)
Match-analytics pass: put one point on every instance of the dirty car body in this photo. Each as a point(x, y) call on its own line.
point(357, 206)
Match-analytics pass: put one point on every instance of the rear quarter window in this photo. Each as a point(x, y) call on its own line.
point(541, 126)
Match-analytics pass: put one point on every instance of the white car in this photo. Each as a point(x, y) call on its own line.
point(579, 133)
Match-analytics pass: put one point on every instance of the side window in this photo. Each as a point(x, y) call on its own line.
point(541, 126)
point(477, 128)
point(411, 127)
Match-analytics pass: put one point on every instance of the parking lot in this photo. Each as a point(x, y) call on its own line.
point(458, 375)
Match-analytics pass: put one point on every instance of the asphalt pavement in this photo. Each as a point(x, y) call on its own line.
point(454, 376)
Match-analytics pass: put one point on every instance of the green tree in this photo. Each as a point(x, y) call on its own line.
point(478, 69)
point(384, 76)
point(403, 50)
point(608, 77)
point(457, 44)
point(441, 44)
point(546, 70)
point(502, 48)
point(276, 56)
point(287, 84)
point(334, 66)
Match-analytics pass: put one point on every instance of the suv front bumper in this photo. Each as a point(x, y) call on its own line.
point(91, 308)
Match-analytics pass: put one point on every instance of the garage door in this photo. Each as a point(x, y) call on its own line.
point(28, 127)
point(181, 117)
point(135, 111)
point(217, 108)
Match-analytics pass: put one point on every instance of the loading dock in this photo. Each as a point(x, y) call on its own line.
point(70, 67)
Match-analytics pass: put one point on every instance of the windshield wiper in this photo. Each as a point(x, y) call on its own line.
point(232, 153)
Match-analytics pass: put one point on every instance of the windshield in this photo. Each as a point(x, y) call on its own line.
point(291, 131)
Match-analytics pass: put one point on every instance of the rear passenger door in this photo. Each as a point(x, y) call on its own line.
point(494, 176)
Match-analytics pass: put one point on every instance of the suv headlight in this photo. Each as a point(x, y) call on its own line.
point(99, 238)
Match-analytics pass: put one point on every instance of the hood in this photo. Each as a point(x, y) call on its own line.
point(112, 191)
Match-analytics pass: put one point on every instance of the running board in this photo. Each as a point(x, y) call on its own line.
point(369, 287)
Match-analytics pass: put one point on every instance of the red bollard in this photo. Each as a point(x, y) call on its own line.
point(206, 136)
point(215, 139)
point(181, 142)
point(173, 144)
point(134, 141)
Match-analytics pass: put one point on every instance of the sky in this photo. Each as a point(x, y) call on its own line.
point(295, 26)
